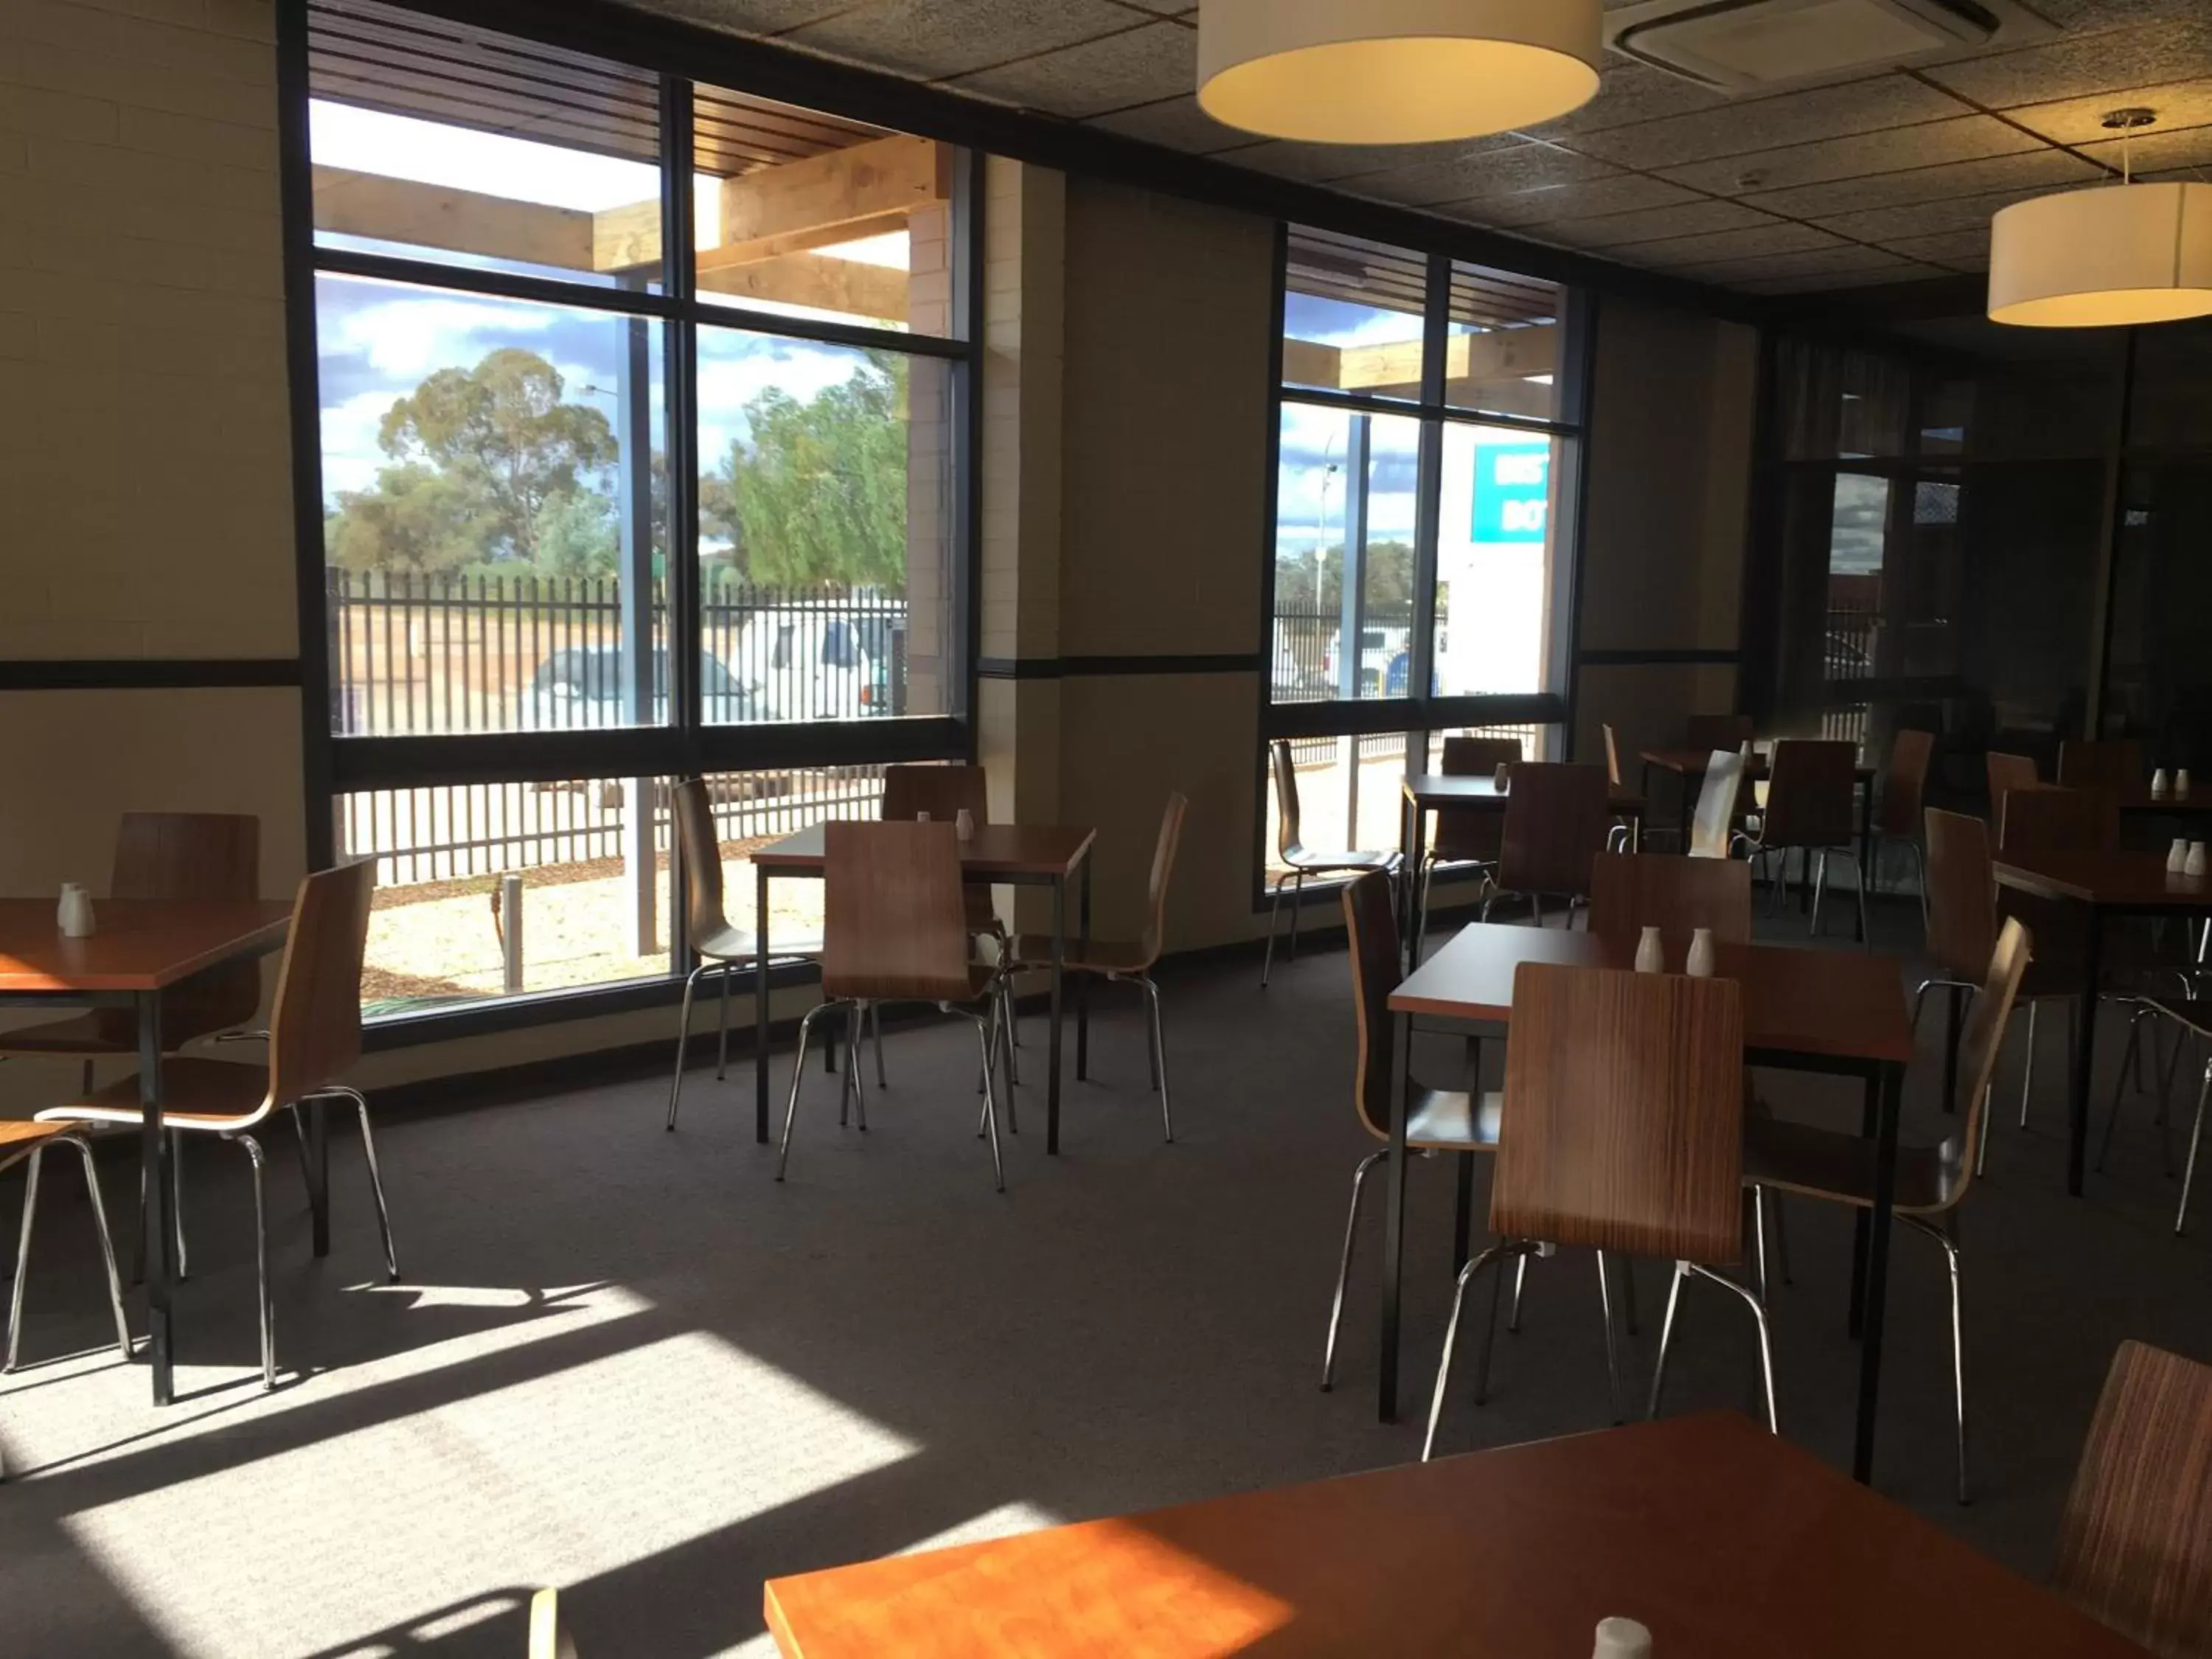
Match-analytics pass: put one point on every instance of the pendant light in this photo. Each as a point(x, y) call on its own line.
point(2106, 258)
point(1396, 71)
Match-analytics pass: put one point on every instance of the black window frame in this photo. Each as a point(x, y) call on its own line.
point(336, 766)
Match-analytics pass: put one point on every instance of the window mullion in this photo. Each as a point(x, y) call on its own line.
point(1420, 648)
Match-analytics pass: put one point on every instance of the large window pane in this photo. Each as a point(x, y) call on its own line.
point(1502, 349)
point(1344, 554)
point(1350, 795)
point(1495, 588)
point(1351, 316)
point(439, 140)
point(825, 530)
point(492, 527)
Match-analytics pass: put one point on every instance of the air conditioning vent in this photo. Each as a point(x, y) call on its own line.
point(1742, 46)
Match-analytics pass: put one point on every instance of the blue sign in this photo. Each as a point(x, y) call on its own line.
point(1512, 492)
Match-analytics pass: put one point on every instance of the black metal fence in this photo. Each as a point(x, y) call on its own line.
point(416, 652)
point(1306, 663)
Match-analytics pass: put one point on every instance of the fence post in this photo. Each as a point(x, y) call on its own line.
point(510, 908)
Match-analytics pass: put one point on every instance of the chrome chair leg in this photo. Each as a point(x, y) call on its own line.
point(1494, 1254)
point(1344, 1265)
point(876, 1037)
point(798, 1072)
point(1275, 926)
point(107, 1248)
point(853, 1027)
point(722, 1040)
point(1520, 1279)
point(1012, 1035)
point(375, 1181)
point(990, 1109)
point(23, 1257)
point(1758, 1237)
point(1297, 903)
point(683, 1036)
point(1765, 1342)
point(1159, 1052)
point(2188, 1164)
point(1820, 887)
point(1612, 1337)
point(1666, 1336)
point(1946, 1236)
point(2028, 1078)
point(261, 1260)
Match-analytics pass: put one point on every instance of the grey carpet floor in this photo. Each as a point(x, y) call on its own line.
point(631, 1365)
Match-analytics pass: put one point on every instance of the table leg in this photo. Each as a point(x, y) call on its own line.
point(1866, 850)
point(160, 1236)
point(1393, 1224)
point(1877, 1269)
point(760, 1006)
point(1957, 1000)
point(1083, 981)
point(318, 1160)
point(1862, 1223)
point(1415, 841)
point(1052, 1055)
point(2077, 1093)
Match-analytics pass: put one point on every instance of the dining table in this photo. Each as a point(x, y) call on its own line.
point(1015, 854)
point(139, 949)
point(1722, 1540)
point(2103, 885)
point(1838, 1012)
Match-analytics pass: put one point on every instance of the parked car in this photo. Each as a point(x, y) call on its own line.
point(581, 687)
point(1378, 647)
point(813, 660)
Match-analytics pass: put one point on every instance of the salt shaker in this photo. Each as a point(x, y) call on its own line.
point(2181, 781)
point(1502, 780)
point(74, 915)
point(2195, 866)
point(2177, 857)
point(1621, 1638)
point(1701, 954)
point(1650, 954)
point(2158, 784)
point(964, 825)
point(921, 818)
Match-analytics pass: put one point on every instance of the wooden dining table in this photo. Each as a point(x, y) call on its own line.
point(2103, 885)
point(1725, 1541)
point(1015, 854)
point(141, 948)
point(1838, 1012)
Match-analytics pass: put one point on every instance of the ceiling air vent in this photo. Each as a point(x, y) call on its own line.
point(1743, 46)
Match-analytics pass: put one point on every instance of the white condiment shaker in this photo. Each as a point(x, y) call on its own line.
point(1621, 1638)
point(1701, 954)
point(921, 818)
point(1650, 954)
point(2177, 857)
point(2158, 783)
point(2195, 866)
point(964, 825)
point(74, 915)
point(1502, 778)
point(2181, 781)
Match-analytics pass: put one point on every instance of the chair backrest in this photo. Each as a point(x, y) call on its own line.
point(1714, 819)
point(1612, 756)
point(2058, 820)
point(942, 791)
point(1286, 798)
point(1370, 918)
point(1155, 890)
point(1905, 789)
point(2007, 773)
point(1978, 1051)
point(1962, 901)
point(894, 925)
point(699, 846)
point(2112, 763)
point(1556, 820)
point(1623, 1121)
point(188, 855)
point(1810, 794)
point(1631, 891)
point(2135, 1547)
point(1717, 731)
point(549, 1632)
point(314, 1027)
point(1462, 832)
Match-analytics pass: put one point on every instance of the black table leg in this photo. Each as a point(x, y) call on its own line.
point(760, 1006)
point(318, 1160)
point(1059, 975)
point(1862, 1223)
point(1957, 1000)
point(1414, 839)
point(2077, 1095)
point(1877, 1269)
point(160, 1235)
point(1083, 981)
point(1393, 1224)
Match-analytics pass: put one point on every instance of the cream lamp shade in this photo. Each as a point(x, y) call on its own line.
point(1395, 71)
point(2103, 257)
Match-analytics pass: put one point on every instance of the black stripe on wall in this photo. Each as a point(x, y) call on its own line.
point(1069, 668)
point(148, 673)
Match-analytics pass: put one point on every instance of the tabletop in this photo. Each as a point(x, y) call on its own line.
point(1439, 789)
point(2138, 799)
point(140, 944)
point(1726, 1542)
point(2119, 880)
point(1846, 1005)
point(996, 850)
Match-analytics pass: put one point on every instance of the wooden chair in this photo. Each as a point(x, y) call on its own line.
point(721, 947)
point(2135, 1547)
point(2058, 819)
point(1621, 837)
point(1811, 800)
point(549, 1633)
point(2008, 773)
point(1465, 839)
point(1631, 891)
point(944, 792)
point(1128, 963)
point(1300, 861)
point(1710, 732)
point(1556, 822)
point(1621, 1129)
point(2192, 1022)
point(1931, 1182)
point(21, 1142)
point(2112, 763)
point(315, 1034)
point(1903, 797)
point(895, 930)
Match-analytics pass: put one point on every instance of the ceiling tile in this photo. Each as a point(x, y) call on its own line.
point(1778, 237)
point(1969, 138)
point(1886, 224)
point(1179, 124)
point(2079, 65)
point(2187, 152)
point(1324, 163)
point(2027, 171)
point(1162, 8)
point(1963, 250)
point(1141, 66)
point(1479, 174)
point(1767, 123)
point(1629, 92)
point(2178, 106)
point(1820, 282)
point(745, 16)
point(1582, 198)
point(1844, 256)
point(1612, 230)
point(930, 39)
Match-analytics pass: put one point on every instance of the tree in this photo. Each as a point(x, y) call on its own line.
point(577, 535)
point(502, 426)
point(416, 518)
point(817, 492)
point(1308, 582)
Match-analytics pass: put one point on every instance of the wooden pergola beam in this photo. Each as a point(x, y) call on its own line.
point(1394, 369)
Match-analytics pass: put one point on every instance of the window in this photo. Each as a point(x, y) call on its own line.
point(632, 467)
point(1426, 450)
